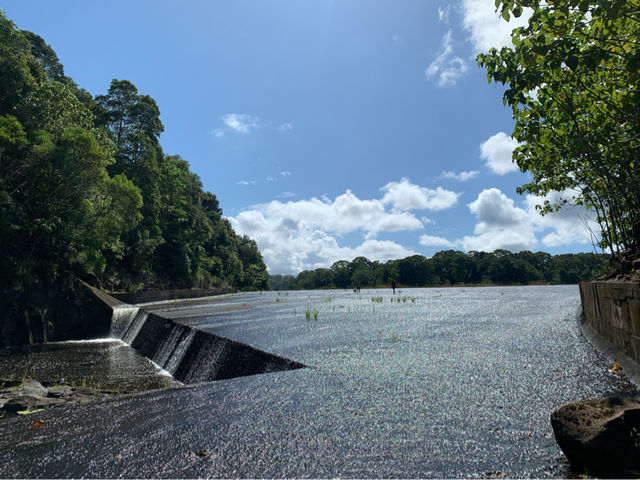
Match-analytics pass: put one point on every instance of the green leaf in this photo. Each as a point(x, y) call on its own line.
point(29, 412)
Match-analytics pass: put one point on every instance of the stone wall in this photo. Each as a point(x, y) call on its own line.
point(612, 313)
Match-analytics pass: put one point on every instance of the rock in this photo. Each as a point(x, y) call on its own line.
point(21, 402)
point(32, 387)
point(600, 435)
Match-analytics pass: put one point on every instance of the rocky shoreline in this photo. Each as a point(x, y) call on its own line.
point(30, 396)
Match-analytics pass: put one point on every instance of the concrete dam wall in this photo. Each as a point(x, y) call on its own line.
point(612, 317)
point(190, 355)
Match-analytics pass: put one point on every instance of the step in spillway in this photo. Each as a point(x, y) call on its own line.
point(188, 354)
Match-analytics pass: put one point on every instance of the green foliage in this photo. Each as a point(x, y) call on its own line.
point(86, 191)
point(452, 267)
point(280, 282)
point(572, 79)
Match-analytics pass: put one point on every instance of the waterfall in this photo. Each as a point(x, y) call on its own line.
point(135, 326)
point(177, 354)
point(121, 320)
point(167, 346)
point(188, 354)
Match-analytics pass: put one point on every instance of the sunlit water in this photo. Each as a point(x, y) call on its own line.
point(449, 382)
point(107, 364)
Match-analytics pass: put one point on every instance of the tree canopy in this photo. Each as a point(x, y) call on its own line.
point(86, 191)
point(450, 267)
point(572, 78)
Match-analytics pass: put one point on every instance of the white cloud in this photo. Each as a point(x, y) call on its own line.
point(240, 122)
point(404, 195)
point(346, 213)
point(289, 245)
point(486, 28)
point(431, 241)
point(494, 210)
point(443, 14)
point(497, 151)
point(271, 179)
point(304, 234)
point(505, 239)
point(219, 133)
point(285, 127)
point(462, 176)
point(285, 174)
point(571, 224)
point(446, 67)
point(286, 195)
point(397, 40)
point(503, 225)
point(245, 182)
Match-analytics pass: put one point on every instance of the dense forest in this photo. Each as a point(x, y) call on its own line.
point(450, 268)
point(87, 192)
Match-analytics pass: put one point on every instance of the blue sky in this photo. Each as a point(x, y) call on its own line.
point(328, 129)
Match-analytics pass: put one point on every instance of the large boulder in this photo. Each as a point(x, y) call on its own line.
point(600, 435)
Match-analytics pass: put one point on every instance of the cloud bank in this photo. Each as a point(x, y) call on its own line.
point(305, 234)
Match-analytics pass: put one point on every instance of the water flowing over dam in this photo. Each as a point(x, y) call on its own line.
point(188, 354)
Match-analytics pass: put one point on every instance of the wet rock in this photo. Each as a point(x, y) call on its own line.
point(32, 395)
point(22, 402)
point(600, 435)
point(33, 387)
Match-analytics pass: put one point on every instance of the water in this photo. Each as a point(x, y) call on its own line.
point(109, 363)
point(450, 382)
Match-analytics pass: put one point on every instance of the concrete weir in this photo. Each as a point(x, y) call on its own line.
point(188, 354)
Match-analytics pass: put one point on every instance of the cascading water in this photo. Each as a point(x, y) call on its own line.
point(188, 354)
point(177, 354)
point(121, 320)
point(135, 326)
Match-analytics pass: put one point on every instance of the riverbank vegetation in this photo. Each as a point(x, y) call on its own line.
point(86, 191)
point(573, 83)
point(451, 268)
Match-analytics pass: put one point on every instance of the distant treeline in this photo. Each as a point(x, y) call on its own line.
point(87, 192)
point(450, 268)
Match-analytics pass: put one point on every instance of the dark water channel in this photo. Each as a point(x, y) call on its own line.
point(443, 383)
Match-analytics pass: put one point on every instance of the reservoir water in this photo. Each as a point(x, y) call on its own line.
point(450, 382)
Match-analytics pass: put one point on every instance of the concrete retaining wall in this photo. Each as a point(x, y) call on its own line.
point(162, 295)
point(612, 313)
point(192, 355)
point(189, 354)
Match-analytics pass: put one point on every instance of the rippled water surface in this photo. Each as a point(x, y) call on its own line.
point(445, 382)
point(107, 363)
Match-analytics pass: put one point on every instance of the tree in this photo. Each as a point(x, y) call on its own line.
point(341, 274)
point(572, 80)
point(134, 123)
point(414, 271)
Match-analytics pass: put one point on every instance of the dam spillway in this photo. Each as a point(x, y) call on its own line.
point(190, 355)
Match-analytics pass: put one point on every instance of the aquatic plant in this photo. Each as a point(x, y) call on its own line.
point(307, 314)
point(315, 314)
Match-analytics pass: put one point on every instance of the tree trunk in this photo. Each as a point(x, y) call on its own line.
point(28, 323)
